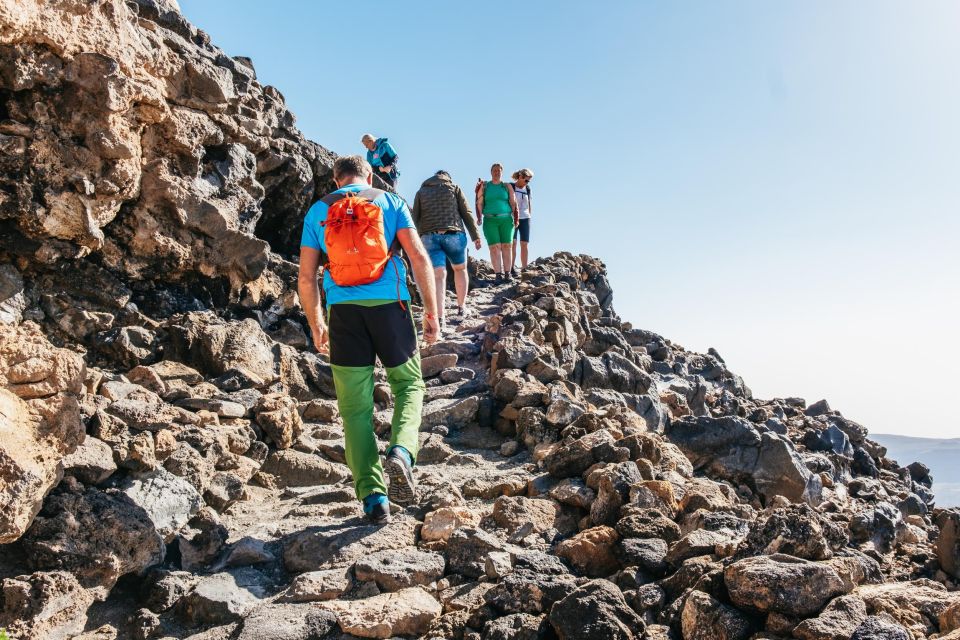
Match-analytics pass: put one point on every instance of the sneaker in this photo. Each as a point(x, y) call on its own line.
point(376, 507)
point(498, 278)
point(463, 311)
point(514, 273)
point(508, 277)
point(399, 468)
point(442, 320)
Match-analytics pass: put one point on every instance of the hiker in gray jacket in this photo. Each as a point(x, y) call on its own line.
point(440, 213)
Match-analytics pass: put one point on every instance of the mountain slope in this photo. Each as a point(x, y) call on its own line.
point(172, 462)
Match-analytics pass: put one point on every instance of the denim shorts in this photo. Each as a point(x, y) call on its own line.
point(443, 246)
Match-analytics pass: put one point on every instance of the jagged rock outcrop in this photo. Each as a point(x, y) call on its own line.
point(171, 443)
point(39, 422)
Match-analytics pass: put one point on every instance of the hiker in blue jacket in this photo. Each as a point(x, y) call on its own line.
point(382, 157)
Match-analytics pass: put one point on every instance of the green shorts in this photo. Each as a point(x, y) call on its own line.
point(498, 229)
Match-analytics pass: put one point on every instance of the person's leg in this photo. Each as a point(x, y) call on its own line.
point(395, 342)
point(513, 261)
point(354, 386)
point(455, 247)
point(524, 233)
point(351, 360)
point(408, 388)
point(433, 243)
point(440, 280)
point(506, 242)
point(491, 233)
point(460, 283)
point(506, 252)
point(495, 258)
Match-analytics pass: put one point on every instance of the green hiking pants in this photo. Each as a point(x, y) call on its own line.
point(360, 332)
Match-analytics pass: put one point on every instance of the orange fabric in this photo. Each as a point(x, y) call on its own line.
point(356, 245)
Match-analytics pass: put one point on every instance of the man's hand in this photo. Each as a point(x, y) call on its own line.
point(431, 328)
point(321, 339)
point(477, 244)
point(385, 169)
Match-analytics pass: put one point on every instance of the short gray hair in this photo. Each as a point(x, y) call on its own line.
point(354, 166)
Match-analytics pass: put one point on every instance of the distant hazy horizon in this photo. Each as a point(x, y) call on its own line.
point(940, 454)
point(774, 180)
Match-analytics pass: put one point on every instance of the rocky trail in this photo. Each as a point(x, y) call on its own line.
point(171, 456)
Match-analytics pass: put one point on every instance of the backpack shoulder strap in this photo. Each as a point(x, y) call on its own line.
point(331, 198)
point(370, 194)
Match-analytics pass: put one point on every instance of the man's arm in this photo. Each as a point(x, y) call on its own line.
point(309, 292)
point(467, 216)
point(423, 275)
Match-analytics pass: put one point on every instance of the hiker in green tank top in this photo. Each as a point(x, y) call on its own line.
point(497, 213)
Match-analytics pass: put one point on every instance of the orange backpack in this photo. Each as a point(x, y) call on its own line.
point(357, 251)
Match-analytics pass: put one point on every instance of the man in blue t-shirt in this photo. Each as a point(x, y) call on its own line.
point(366, 322)
point(382, 157)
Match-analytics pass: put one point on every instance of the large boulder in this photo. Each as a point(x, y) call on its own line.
point(782, 584)
point(731, 448)
point(39, 421)
point(839, 620)
point(168, 500)
point(705, 618)
point(393, 570)
point(96, 535)
point(596, 610)
point(948, 542)
point(329, 547)
point(50, 605)
point(408, 612)
point(239, 351)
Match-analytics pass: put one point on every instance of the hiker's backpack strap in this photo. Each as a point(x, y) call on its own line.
point(332, 198)
point(370, 194)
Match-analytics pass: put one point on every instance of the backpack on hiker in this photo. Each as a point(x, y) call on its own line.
point(357, 251)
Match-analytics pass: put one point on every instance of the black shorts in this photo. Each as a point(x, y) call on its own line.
point(524, 230)
point(359, 334)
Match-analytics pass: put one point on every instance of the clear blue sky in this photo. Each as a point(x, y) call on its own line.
point(778, 180)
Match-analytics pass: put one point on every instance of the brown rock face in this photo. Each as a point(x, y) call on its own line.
point(948, 543)
point(44, 605)
point(130, 135)
point(408, 612)
point(39, 422)
point(591, 551)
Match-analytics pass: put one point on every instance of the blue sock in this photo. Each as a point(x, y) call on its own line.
point(403, 452)
point(373, 499)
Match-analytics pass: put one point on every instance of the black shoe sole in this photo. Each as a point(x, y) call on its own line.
point(402, 489)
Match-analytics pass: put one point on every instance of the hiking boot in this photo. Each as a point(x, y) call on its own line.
point(463, 311)
point(514, 272)
point(508, 277)
point(498, 279)
point(376, 507)
point(399, 468)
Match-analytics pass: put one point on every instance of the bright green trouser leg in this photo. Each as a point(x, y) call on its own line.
point(406, 383)
point(354, 386)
